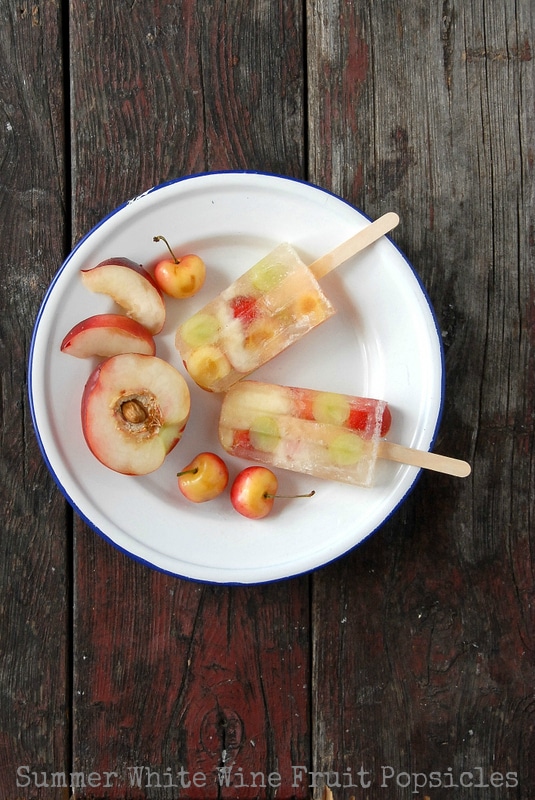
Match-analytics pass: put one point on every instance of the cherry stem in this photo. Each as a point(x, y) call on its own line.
point(193, 471)
point(288, 496)
point(163, 239)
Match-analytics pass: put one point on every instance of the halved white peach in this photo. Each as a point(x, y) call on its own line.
point(134, 411)
point(107, 335)
point(131, 287)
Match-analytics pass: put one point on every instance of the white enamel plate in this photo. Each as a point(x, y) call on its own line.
point(382, 343)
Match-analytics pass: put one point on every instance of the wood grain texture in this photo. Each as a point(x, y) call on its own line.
point(164, 89)
point(429, 626)
point(175, 676)
point(34, 551)
point(170, 675)
point(414, 654)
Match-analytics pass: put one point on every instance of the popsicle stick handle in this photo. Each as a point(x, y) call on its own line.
point(421, 458)
point(322, 266)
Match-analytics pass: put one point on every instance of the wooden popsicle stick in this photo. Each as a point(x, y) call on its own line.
point(354, 245)
point(423, 459)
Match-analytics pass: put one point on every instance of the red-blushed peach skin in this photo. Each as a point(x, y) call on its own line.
point(154, 388)
point(131, 287)
point(107, 335)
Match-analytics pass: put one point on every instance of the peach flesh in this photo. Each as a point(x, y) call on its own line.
point(131, 287)
point(107, 335)
point(128, 426)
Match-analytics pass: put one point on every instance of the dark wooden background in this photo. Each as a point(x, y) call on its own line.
point(416, 651)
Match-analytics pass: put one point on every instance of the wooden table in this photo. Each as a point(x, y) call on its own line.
point(407, 667)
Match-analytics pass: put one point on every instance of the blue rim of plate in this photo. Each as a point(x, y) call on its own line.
point(44, 454)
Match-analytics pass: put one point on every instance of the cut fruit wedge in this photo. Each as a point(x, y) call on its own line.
point(132, 287)
point(108, 335)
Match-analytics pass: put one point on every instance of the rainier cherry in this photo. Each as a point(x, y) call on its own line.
point(203, 478)
point(254, 491)
point(179, 277)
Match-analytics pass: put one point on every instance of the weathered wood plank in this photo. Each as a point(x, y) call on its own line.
point(168, 89)
point(170, 674)
point(424, 636)
point(34, 550)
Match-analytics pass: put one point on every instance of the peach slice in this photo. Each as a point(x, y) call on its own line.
point(132, 287)
point(107, 335)
point(134, 411)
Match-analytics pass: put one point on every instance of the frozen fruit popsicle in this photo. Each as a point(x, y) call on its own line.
point(326, 434)
point(263, 312)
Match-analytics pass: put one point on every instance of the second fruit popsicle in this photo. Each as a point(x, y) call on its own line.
point(326, 434)
point(263, 312)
